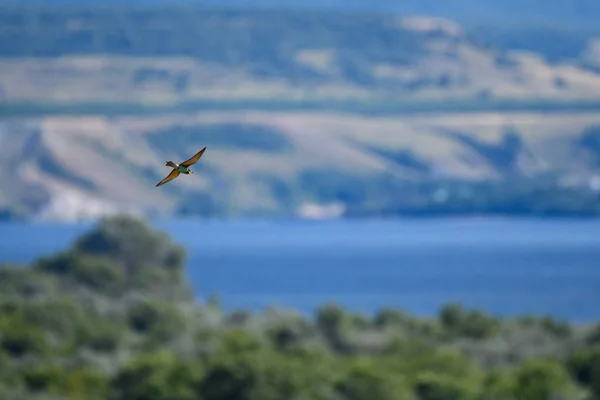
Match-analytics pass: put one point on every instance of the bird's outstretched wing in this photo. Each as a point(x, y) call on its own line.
point(174, 174)
point(194, 159)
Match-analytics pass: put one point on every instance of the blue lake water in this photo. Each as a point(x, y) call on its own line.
point(507, 267)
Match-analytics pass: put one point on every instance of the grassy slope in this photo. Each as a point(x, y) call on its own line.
point(262, 161)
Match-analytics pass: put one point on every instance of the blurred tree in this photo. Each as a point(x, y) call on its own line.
point(332, 322)
point(364, 381)
point(287, 333)
point(584, 367)
point(54, 379)
point(557, 328)
point(24, 283)
point(540, 380)
point(244, 368)
point(479, 325)
point(160, 321)
point(430, 386)
point(592, 338)
point(62, 318)
point(498, 385)
point(473, 324)
point(132, 242)
point(156, 376)
point(452, 316)
point(94, 272)
point(227, 379)
point(18, 338)
point(281, 377)
point(388, 317)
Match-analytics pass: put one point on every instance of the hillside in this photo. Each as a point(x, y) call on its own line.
point(304, 113)
point(282, 163)
point(576, 13)
point(177, 55)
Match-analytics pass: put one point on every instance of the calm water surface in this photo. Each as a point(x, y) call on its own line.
point(504, 266)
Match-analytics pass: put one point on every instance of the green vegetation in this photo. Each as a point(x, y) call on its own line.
point(112, 318)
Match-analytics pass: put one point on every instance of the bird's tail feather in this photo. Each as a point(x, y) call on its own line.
point(171, 164)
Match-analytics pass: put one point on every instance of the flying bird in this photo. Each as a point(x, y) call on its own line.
point(183, 168)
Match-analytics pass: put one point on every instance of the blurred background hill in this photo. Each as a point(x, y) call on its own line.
point(506, 12)
point(328, 111)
